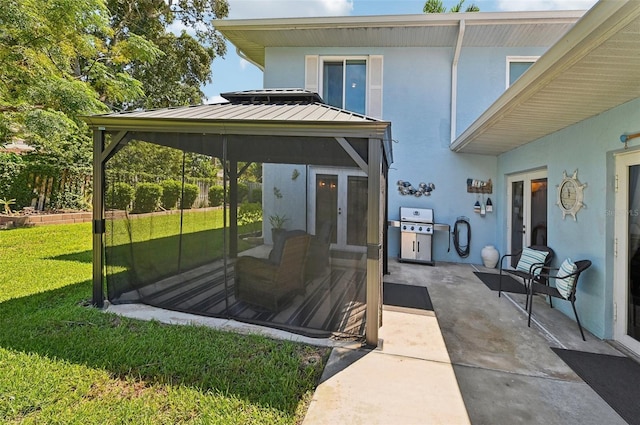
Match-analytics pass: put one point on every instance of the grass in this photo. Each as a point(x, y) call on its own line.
point(143, 250)
point(62, 362)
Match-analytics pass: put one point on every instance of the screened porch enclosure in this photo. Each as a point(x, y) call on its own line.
point(273, 256)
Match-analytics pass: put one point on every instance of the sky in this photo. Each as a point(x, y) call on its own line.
point(232, 73)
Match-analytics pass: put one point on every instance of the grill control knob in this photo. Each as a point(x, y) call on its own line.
point(420, 229)
point(404, 227)
point(412, 228)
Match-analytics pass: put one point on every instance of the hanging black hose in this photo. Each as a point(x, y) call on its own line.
point(458, 228)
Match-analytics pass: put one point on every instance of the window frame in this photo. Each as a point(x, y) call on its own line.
point(517, 59)
point(321, 61)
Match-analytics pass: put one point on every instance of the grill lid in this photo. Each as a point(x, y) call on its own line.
point(416, 215)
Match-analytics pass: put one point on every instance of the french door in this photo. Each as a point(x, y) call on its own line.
point(339, 196)
point(626, 285)
point(527, 212)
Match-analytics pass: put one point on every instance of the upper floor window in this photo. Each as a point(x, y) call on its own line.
point(344, 84)
point(353, 83)
point(517, 65)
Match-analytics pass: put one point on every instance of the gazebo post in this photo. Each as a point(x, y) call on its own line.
point(374, 248)
point(98, 217)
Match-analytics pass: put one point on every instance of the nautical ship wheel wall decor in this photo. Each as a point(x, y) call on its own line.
point(570, 195)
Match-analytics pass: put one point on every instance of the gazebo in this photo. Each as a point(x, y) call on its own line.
point(215, 261)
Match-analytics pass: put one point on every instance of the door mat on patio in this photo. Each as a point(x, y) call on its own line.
point(407, 296)
point(614, 378)
point(509, 284)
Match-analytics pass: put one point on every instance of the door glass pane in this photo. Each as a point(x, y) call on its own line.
point(539, 212)
point(356, 83)
point(356, 210)
point(633, 290)
point(332, 83)
point(327, 203)
point(517, 218)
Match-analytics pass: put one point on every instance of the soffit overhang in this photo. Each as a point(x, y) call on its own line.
point(590, 70)
point(483, 29)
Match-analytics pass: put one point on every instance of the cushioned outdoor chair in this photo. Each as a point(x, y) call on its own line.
point(527, 268)
point(566, 281)
point(272, 283)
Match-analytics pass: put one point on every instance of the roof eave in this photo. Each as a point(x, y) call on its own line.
point(255, 50)
point(597, 25)
point(333, 22)
point(373, 129)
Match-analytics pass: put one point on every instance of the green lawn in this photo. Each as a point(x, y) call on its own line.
point(62, 362)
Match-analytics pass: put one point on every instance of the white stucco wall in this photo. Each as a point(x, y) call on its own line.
point(292, 204)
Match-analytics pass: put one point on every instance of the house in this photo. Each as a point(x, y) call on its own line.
point(527, 100)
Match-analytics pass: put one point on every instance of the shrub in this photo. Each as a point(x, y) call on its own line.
point(120, 196)
point(171, 190)
point(190, 195)
point(249, 212)
point(243, 192)
point(10, 167)
point(256, 196)
point(216, 196)
point(147, 197)
point(67, 199)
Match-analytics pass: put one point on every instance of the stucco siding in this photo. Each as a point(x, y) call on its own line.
point(417, 100)
point(482, 78)
point(589, 147)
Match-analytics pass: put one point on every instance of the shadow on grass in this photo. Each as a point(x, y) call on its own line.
point(55, 324)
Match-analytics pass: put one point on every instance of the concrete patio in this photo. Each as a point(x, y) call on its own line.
point(472, 360)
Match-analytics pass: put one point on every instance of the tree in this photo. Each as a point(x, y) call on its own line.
point(436, 6)
point(176, 79)
point(54, 68)
point(186, 63)
point(62, 59)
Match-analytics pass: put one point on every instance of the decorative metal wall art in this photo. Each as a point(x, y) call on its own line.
point(406, 188)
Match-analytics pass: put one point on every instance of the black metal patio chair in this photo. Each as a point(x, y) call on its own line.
point(566, 285)
point(526, 269)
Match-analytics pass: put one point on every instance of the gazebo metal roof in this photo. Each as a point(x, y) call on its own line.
point(272, 112)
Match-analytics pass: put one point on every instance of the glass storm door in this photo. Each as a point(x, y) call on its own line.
point(339, 196)
point(527, 213)
point(626, 309)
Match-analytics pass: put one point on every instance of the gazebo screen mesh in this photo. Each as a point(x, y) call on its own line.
point(291, 256)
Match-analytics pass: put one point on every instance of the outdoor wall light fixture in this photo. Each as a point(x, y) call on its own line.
point(624, 138)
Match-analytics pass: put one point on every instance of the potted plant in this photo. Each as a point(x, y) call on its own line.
point(277, 224)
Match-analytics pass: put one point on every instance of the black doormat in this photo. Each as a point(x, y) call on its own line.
point(509, 284)
point(614, 378)
point(408, 296)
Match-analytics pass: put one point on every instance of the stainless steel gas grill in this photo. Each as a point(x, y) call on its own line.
point(416, 230)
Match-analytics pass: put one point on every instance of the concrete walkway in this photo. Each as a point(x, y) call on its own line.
point(409, 381)
point(473, 360)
